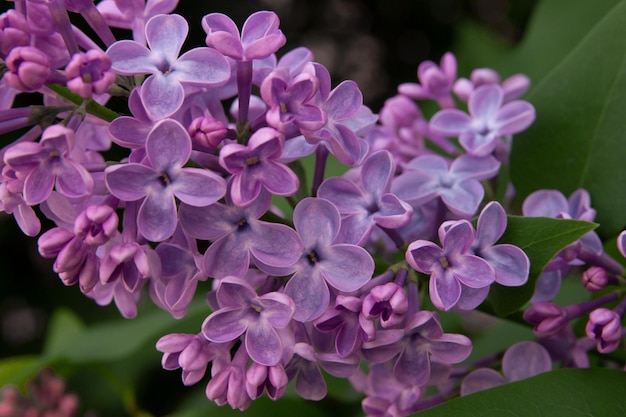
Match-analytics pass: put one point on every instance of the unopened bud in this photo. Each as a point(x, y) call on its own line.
point(207, 133)
point(29, 68)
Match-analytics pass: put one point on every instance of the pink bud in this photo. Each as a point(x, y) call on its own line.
point(548, 318)
point(13, 31)
point(207, 133)
point(96, 225)
point(595, 279)
point(89, 73)
point(29, 68)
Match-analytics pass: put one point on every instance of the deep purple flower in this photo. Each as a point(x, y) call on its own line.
point(168, 148)
point(256, 166)
point(387, 302)
point(510, 263)
point(489, 120)
point(239, 236)
point(260, 36)
point(605, 327)
point(323, 262)
point(162, 92)
point(243, 312)
point(50, 163)
point(367, 203)
point(458, 183)
point(452, 266)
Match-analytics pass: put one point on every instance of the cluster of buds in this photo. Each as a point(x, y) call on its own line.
point(214, 137)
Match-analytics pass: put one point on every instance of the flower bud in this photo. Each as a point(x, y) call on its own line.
point(386, 301)
point(96, 225)
point(89, 73)
point(207, 133)
point(29, 68)
point(13, 31)
point(604, 326)
point(596, 279)
point(548, 318)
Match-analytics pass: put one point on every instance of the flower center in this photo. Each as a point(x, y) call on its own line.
point(444, 262)
point(312, 257)
point(165, 179)
point(253, 160)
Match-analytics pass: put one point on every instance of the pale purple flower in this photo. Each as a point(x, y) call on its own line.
point(89, 73)
point(244, 312)
point(292, 109)
point(458, 183)
point(163, 92)
point(386, 395)
point(436, 81)
point(323, 262)
point(238, 236)
point(168, 148)
point(488, 121)
point(260, 36)
point(49, 163)
point(369, 202)
point(133, 14)
point(452, 266)
point(513, 87)
point(190, 352)
point(510, 263)
point(12, 202)
point(256, 166)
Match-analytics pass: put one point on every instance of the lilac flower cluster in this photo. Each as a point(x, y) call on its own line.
point(216, 136)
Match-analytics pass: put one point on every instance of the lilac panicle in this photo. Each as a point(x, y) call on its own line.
point(430, 176)
point(323, 262)
point(49, 163)
point(368, 203)
point(489, 120)
point(451, 267)
point(238, 236)
point(243, 312)
point(162, 92)
point(256, 166)
point(168, 148)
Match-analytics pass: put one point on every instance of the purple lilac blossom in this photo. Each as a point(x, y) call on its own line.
point(238, 236)
point(168, 148)
point(50, 163)
point(488, 121)
point(457, 183)
point(452, 266)
point(163, 92)
point(436, 81)
point(323, 261)
point(369, 202)
point(88, 73)
point(256, 167)
point(243, 312)
point(513, 87)
point(190, 352)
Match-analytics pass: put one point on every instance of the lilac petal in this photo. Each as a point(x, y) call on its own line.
point(458, 238)
point(491, 224)
point(510, 263)
point(264, 47)
point(485, 101)
point(514, 117)
point(480, 380)
point(156, 219)
point(355, 229)
point(38, 185)
point(450, 122)
point(224, 326)
point(263, 344)
point(296, 148)
point(73, 180)
point(258, 25)
point(235, 293)
point(477, 144)
point(227, 256)
point(415, 187)
point(444, 290)
point(165, 35)
point(130, 58)
point(218, 22)
point(198, 187)
point(168, 145)
point(161, 95)
point(310, 383)
point(348, 338)
point(348, 268)
point(621, 243)
point(464, 198)
point(468, 167)
point(129, 132)
point(227, 44)
point(277, 309)
point(393, 213)
point(433, 164)
point(310, 294)
point(279, 179)
point(27, 220)
point(343, 193)
point(474, 272)
point(155, 7)
point(450, 348)
point(344, 101)
point(346, 146)
point(413, 366)
point(128, 182)
point(203, 66)
point(547, 203)
point(316, 220)
point(471, 297)
point(525, 359)
point(424, 256)
point(205, 222)
point(377, 171)
point(244, 188)
point(275, 245)
point(547, 286)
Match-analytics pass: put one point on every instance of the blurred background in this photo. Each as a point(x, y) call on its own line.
point(377, 43)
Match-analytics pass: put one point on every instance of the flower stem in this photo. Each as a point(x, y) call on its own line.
point(92, 107)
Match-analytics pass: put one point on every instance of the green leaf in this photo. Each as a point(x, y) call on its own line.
point(63, 325)
point(579, 139)
point(561, 393)
point(18, 369)
point(541, 238)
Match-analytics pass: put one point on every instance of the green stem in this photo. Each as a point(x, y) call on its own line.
point(91, 106)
